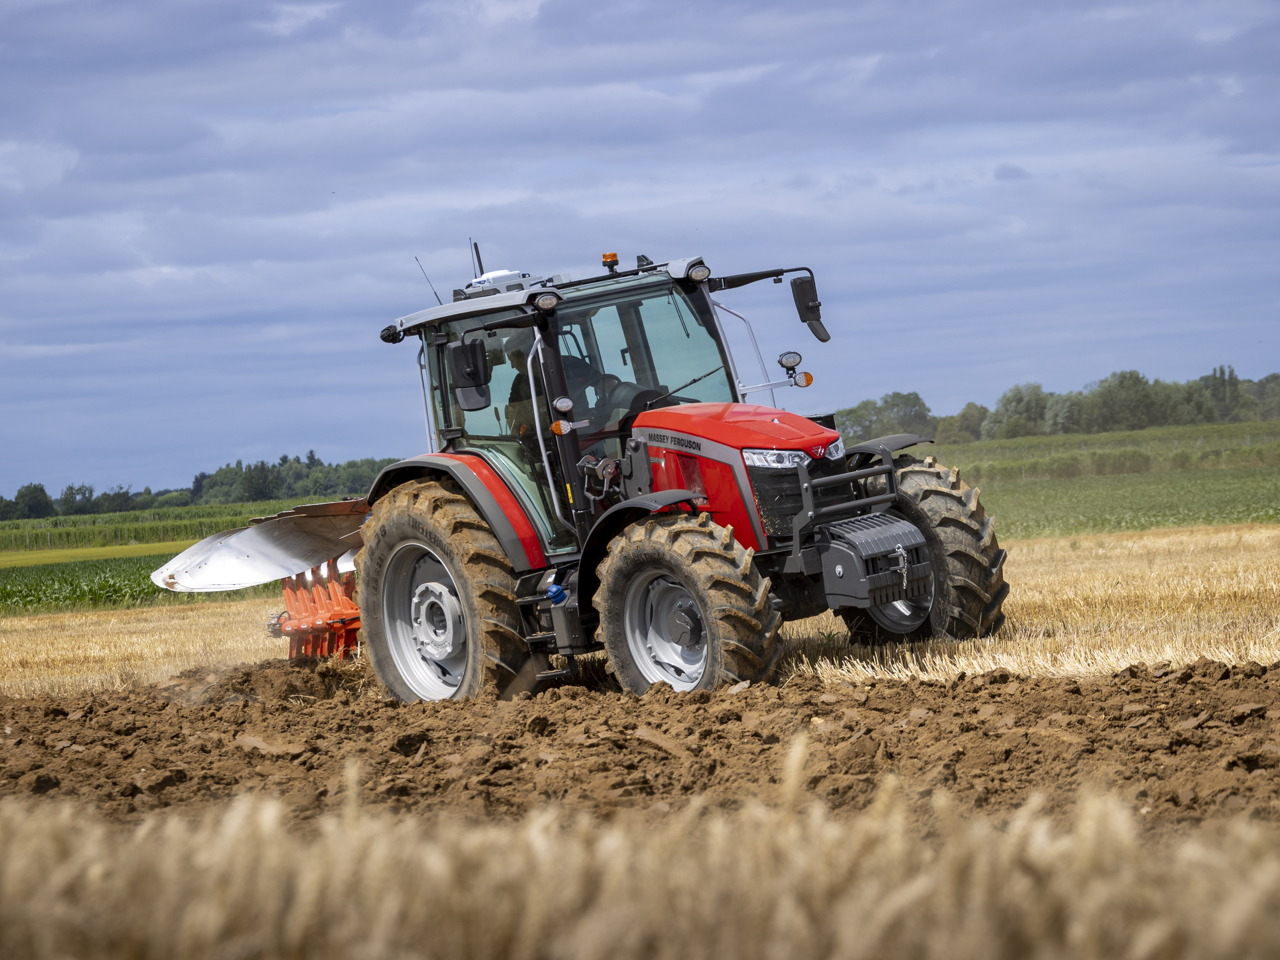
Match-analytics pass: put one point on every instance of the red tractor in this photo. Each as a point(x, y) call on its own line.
point(601, 483)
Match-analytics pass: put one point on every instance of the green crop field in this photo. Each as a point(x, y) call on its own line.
point(29, 558)
point(1221, 446)
point(167, 525)
point(95, 584)
point(1144, 501)
point(1140, 480)
point(104, 561)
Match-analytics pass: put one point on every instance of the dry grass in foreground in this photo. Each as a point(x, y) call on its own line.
point(1078, 606)
point(757, 883)
point(1093, 605)
point(64, 653)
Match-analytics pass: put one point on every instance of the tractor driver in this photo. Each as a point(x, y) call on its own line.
point(579, 375)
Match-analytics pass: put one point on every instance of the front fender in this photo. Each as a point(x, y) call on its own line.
point(893, 443)
point(611, 523)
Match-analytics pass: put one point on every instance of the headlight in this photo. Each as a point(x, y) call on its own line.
point(775, 459)
point(546, 302)
point(699, 272)
point(790, 360)
point(836, 450)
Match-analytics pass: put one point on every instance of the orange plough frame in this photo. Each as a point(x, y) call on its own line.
point(321, 618)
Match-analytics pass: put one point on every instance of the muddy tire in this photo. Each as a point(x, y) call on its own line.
point(968, 564)
point(437, 597)
point(681, 603)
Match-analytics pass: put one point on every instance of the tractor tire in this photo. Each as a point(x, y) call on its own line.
point(437, 597)
point(968, 564)
point(682, 603)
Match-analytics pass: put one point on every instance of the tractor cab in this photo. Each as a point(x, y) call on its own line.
point(545, 379)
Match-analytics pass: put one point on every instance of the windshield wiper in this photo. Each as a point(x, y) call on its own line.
point(670, 393)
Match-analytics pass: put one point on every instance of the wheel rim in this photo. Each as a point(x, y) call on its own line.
point(903, 616)
point(665, 631)
point(426, 631)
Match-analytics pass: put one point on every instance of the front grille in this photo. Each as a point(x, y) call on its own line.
point(777, 493)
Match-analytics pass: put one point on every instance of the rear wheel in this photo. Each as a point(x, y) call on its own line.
point(437, 597)
point(968, 588)
point(681, 603)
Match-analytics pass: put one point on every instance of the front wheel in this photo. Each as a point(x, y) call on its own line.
point(681, 603)
point(437, 597)
point(967, 589)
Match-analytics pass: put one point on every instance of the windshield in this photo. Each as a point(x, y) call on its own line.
point(648, 341)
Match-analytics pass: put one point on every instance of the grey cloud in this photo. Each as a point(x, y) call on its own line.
point(1010, 171)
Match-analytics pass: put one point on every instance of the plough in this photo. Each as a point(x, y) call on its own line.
point(320, 618)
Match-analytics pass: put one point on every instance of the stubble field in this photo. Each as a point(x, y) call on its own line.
point(1099, 780)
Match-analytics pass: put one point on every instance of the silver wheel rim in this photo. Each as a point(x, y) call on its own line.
point(422, 616)
point(903, 616)
point(665, 632)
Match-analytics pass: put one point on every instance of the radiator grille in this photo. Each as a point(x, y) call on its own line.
point(777, 493)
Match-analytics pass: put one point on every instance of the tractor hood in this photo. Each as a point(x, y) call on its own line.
point(741, 426)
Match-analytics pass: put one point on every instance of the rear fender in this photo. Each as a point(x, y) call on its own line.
point(485, 489)
point(611, 523)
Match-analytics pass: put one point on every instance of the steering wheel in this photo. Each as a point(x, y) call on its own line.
point(606, 386)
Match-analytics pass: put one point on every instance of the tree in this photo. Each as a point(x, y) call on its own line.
point(260, 481)
point(905, 413)
point(858, 423)
point(116, 500)
point(895, 413)
point(222, 486)
point(76, 500)
point(1174, 404)
point(1267, 390)
point(1019, 413)
point(291, 478)
point(322, 482)
point(970, 418)
point(32, 502)
point(1066, 413)
point(1122, 401)
point(964, 427)
point(1223, 387)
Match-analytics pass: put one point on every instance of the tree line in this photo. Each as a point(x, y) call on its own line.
point(1125, 400)
point(289, 478)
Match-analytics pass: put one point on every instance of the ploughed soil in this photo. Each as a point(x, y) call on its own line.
point(1182, 745)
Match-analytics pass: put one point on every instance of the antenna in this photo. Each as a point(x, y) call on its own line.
point(476, 263)
point(429, 283)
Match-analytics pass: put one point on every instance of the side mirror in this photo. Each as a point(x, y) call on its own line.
point(805, 292)
point(470, 371)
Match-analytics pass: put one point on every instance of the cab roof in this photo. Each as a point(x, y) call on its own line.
point(521, 298)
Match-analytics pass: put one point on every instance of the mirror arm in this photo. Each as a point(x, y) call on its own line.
point(716, 284)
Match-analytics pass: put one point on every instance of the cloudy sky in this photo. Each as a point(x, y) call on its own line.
point(208, 208)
